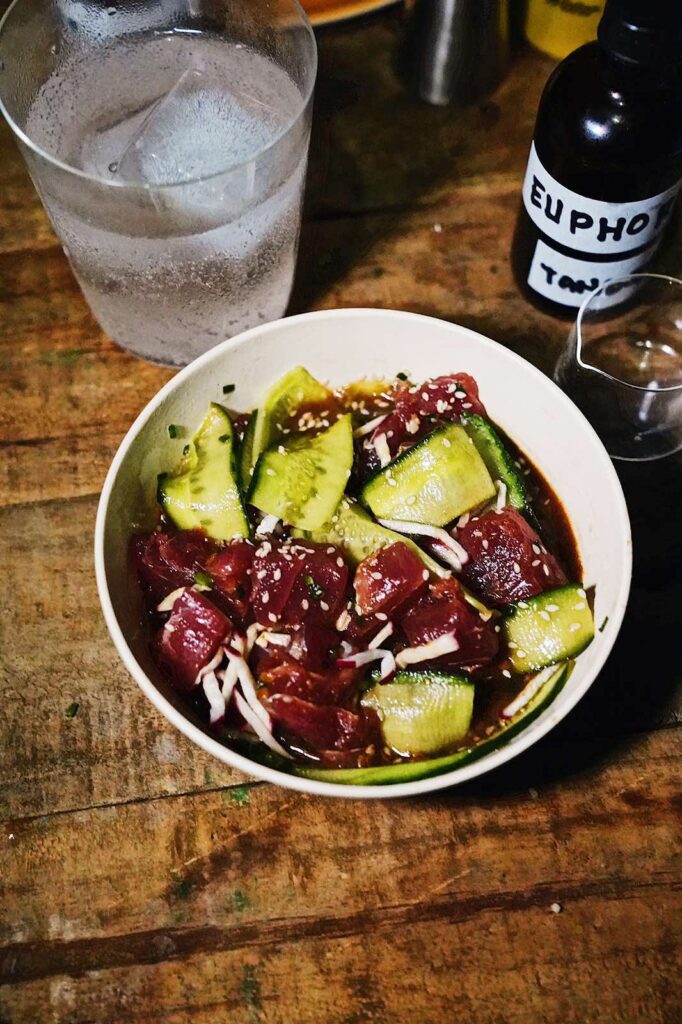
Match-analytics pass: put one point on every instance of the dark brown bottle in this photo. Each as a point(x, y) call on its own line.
point(606, 160)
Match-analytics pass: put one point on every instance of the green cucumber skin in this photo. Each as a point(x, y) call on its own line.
point(454, 457)
point(356, 533)
point(276, 490)
point(412, 771)
point(498, 460)
point(560, 643)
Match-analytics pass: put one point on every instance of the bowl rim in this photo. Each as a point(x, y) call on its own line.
point(525, 739)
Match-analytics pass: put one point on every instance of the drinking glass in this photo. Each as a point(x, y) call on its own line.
point(168, 141)
point(622, 365)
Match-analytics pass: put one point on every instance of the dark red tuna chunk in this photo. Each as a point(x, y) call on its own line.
point(384, 580)
point(230, 570)
point(191, 637)
point(322, 727)
point(273, 574)
point(507, 559)
point(318, 593)
point(445, 610)
point(165, 562)
point(281, 673)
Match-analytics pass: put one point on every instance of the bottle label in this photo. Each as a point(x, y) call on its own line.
point(590, 225)
point(567, 280)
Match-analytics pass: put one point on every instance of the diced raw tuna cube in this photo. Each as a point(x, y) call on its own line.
point(322, 727)
point(318, 594)
point(445, 610)
point(507, 559)
point(384, 580)
point(191, 637)
point(165, 562)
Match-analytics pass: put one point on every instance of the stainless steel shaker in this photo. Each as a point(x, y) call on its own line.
point(459, 49)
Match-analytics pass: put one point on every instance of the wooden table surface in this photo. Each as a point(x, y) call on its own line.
point(143, 881)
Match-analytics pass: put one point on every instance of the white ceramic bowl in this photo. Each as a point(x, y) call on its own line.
point(340, 346)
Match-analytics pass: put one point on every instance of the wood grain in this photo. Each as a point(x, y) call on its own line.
point(141, 880)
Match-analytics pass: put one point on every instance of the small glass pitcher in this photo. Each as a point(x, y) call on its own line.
point(622, 365)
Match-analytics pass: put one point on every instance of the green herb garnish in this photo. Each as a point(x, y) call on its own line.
point(228, 388)
point(72, 709)
point(203, 579)
point(185, 450)
point(314, 589)
point(401, 376)
point(174, 430)
point(224, 438)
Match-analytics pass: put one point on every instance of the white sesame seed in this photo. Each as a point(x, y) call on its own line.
point(460, 394)
point(272, 617)
point(331, 550)
point(412, 500)
point(512, 645)
point(552, 607)
point(382, 616)
point(265, 597)
point(574, 627)
point(466, 405)
point(392, 482)
point(376, 575)
point(484, 543)
point(340, 562)
point(447, 443)
point(536, 549)
point(506, 673)
point(324, 606)
point(517, 567)
point(281, 449)
point(579, 607)
point(556, 908)
point(544, 615)
point(521, 654)
point(582, 592)
point(305, 604)
point(425, 396)
point(545, 569)
point(425, 574)
point(536, 561)
point(270, 472)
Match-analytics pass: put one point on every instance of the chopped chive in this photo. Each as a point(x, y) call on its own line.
point(184, 889)
point(224, 438)
point(228, 388)
point(72, 709)
point(603, 625)
point(174, 430)
point(185, 450)
point(314, 589)
point(203, 579)
point(401, 376)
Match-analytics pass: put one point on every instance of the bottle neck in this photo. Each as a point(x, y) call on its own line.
point(643, 33)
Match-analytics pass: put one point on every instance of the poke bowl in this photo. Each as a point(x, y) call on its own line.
point(362, 553)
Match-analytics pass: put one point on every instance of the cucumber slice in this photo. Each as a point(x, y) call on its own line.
point(245, 455)
point(548, 628)
point(291, 392)
point(303, 482)
point(204, 493)
point(423, 712)
point(410, 771)
point(353, 529)
point(437, 480)
point(498, 461)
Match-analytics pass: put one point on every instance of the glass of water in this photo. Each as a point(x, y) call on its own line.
point(168, 141)
point(622, 365)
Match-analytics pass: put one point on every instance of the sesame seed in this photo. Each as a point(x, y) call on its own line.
point(545, 569)
point(281, 449)
point(521, 654)
point(544, 615)
point(497, 628)
point(536, 549)
point(305, 604)
point(425, 574)
point(506, 673)
point(556, 908)
point(270, 472)
point(392, 482)
point(460, 394)
point(512, 645)
point(272, 617)
point(340, 562)
point(382, 616)
point(266, 597)
point(412, 500)
point(324, 606)
point(579, 607)
point(582, 592)
point(376, 575)
point(466, 405)
point(447, 443)
point(574, 627)
point(536, 561)
point(552, 607)
point(277, 574)
point(425, 396)
point(485, 544)
point(517, 567)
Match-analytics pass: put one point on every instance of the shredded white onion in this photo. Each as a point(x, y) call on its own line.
point(262, 731)
point(463, 520)
point(368, 427)
point(501, 499)
point(343, 621)
point(214, 696)
point(210, 665)
point(444, 644)
point(528, 692)
point(361, 658)
point(251, 634)
point(437, 533)
point(229, 680)
point(168, 601)
point(276, 639)
point(387, 666)
point(382, 450)
point(248, 686)
point(346, 648)
point(382, 635)
point(267, 525)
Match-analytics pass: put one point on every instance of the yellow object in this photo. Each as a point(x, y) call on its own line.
point(558, 27)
